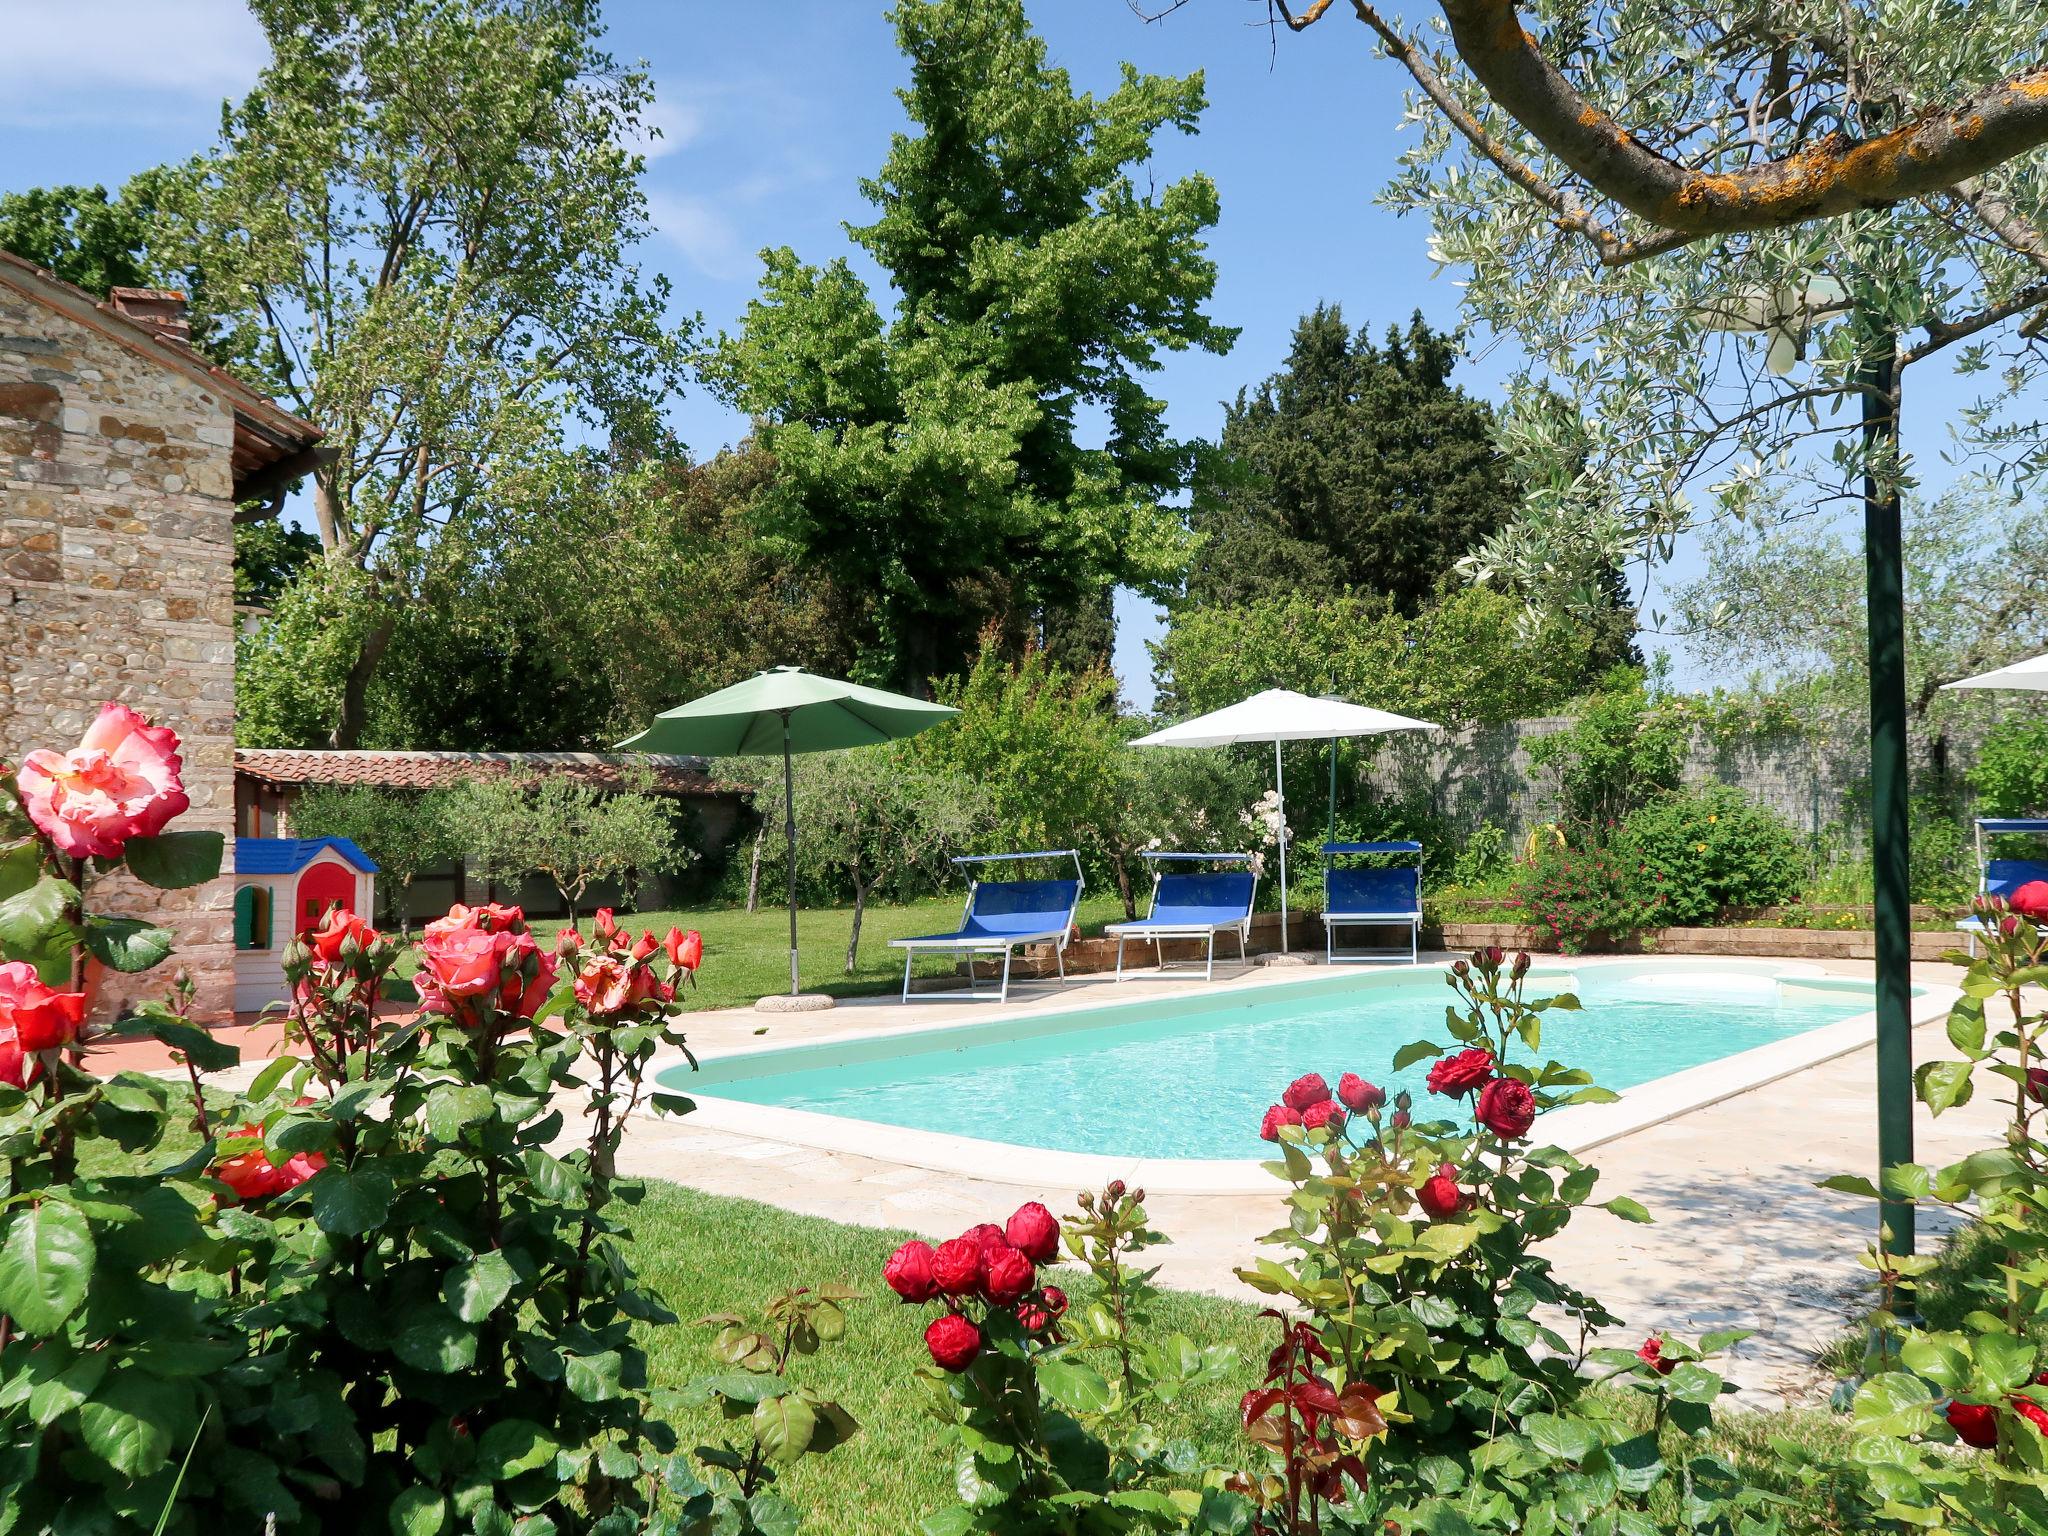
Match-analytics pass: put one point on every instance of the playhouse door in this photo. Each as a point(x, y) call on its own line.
point(320, 887)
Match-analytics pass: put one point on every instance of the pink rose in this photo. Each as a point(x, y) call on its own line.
point(603, 985)
point(1305, 1090)
point(1034, 1232)
point(476, 952)
point(36, 1017)
point(1276, 1117)
point(336, 929)
point(1507, 1108)
point(909, 1272)
point(120, 781)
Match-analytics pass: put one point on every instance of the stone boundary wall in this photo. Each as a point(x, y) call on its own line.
point(116, 561)
point(1482, 773)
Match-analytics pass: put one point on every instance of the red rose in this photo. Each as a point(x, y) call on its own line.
point(1035, 1233)
point(648, 944)
point(909, 1272)
point(685, 950)
point(39, 1018)
point(606, 926)
point(1454, 1076)
point(476, 952)
point(987, 1236)
point(1507, 1108)
point(18, 1069)
point(1032, 1317)
point(1277, 1116)
point(337, 928)
point(120, 781)
point(251, 1174)
point(2037, 1084)
point(2032, 1412)
point(1006, 1275)
point(1440, 1196)
point(2031, 901)
point(1974, 1423)
point(957, 1266)
point(1305, 1090)
point(953, 1341)
point(1652, 1355)
point(1357, 1095)
point(1054, 1298)
point(1328, 1113)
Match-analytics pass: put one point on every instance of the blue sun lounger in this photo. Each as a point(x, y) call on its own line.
point(1193, 905)
point(2001, 877)
point(1372, 898)
point(1001, 915)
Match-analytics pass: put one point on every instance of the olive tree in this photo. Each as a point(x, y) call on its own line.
point(406, 831)
point(576, 835)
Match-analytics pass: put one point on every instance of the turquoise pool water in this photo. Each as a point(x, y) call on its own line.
point(1190, 1079)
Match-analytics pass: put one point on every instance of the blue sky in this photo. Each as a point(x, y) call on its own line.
point(770, 114)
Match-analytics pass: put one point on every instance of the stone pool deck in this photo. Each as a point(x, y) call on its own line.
point(1743, 1237)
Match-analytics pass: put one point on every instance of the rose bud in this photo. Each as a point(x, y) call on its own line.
point(1008, 1275)
point(1521, 964)
point(953, 1341)
point(909, 1272)
point(1054, 1298)
point(1652, 1355)
point(1138, 1196)
point(1276, 1117)
point(957, 1266)
point(1033, 1318)
point(1402, 1119)
point(1115, 1191)
point(1404, 1100)
point(1034, 1232)
point(1359, 1096)
point(1305, 1090)
point(1440, 1195)
point(1461, 968)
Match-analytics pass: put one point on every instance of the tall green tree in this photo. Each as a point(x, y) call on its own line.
point(420, 223)
point(1357, 467)
point(939, 457)
point(90, 237)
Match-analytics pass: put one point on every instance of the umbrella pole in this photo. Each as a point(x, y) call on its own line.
point(1280, 793)
point(789, 838)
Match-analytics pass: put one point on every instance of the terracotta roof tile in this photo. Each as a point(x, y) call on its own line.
point(685, 776)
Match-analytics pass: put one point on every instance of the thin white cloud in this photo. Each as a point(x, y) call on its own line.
point(701, 229)
point(667, 126)
point(123, 61)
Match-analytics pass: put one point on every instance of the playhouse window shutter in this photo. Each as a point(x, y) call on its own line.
point(252, 918)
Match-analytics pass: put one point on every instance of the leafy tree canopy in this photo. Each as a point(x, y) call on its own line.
point(935, 457)
point(407, 832)
point(574, 835)
point(1357, 467)
point(420, 223)
point(1785, 606)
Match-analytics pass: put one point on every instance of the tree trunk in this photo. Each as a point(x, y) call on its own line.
point(860, 902)
point(1123, 887)
point(754, 869)
point(355, 691)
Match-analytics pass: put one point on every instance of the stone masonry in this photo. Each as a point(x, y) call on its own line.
point(117, 503)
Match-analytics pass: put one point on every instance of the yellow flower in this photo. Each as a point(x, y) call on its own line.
point(1712, 819)
point(1699, 847)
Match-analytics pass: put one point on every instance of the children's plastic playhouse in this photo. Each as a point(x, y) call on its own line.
point(283, 886)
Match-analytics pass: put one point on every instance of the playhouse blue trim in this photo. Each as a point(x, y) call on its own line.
point(289, 855)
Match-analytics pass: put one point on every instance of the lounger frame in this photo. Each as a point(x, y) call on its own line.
point(1158, 932)
point(2001, 877)
point(972, 944)
point(1409, 918)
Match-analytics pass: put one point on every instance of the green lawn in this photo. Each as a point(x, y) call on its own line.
point(708, 1254)
point(746, 954)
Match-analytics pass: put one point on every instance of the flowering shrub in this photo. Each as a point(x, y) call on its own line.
point(1461, 1369)
point(1579, 895)
point(369, 1292)
point(1046, 1441)
point(1982, 1387)
point(1715, 849)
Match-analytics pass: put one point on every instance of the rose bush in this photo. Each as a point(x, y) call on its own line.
point(1458, 1379)
point(384, 1286)
point(1982, 1386)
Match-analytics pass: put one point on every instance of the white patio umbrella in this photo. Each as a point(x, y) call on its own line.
point(1281, 715)
point(2021, 674)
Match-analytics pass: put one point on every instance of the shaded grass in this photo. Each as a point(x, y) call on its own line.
point(705, 1253)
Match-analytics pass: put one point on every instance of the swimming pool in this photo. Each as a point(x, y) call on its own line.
point(1187, 1077)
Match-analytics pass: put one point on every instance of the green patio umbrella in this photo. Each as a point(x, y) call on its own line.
point(787, 710)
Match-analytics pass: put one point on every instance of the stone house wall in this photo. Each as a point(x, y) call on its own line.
point(116, 560)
